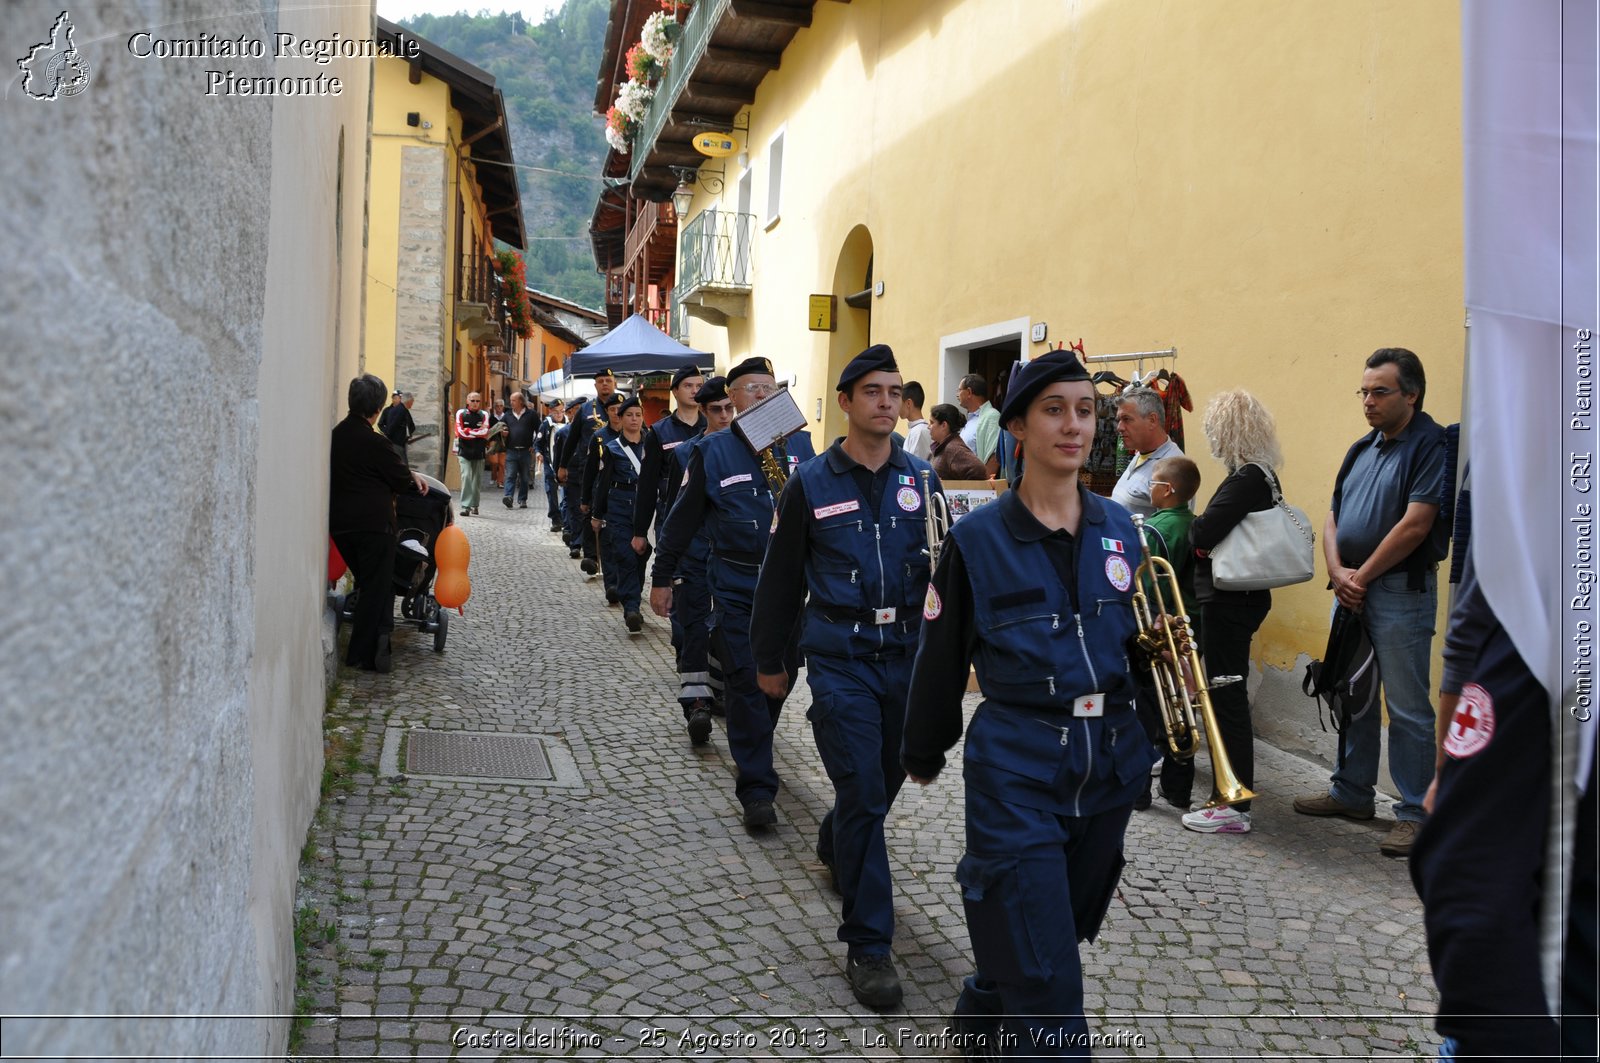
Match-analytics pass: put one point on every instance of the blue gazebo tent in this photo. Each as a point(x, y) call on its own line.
point(634, 347)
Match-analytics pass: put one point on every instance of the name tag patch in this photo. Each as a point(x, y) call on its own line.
point(908, 498)
point(1118, 573)
point(736, 478)
point(824, 512)
point(669, 446)
point(1089, 706)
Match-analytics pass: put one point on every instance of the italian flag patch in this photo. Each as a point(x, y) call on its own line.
point(1112, 545)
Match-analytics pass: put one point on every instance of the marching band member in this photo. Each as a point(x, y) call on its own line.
point(848, 563)
point(1035, 589)
point(617, 483)
point(729, 494)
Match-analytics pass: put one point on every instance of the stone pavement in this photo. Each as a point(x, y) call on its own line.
point(623, 912)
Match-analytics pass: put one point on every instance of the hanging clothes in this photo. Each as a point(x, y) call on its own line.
point(1174, 400)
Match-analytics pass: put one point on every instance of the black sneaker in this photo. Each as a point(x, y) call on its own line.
point(634, 621)
point(612, 597)
point(506, 500)
point(573, 553)
point(466, 511)
point(589, 565)
point(699, 724)
point(875, 982)
point(758, 815)
point(1142, 802)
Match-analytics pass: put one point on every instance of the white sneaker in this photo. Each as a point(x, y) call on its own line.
point(1219, 820)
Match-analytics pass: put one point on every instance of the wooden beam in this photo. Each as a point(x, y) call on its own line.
point(683, 116)
point(707, 92)
point(760, 11)
point(674, 155)
point(743, 57)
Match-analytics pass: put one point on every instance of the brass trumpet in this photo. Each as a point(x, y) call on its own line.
point(936, 518)
point(1167, 642)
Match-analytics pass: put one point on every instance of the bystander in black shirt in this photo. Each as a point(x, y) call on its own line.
point(365, 475)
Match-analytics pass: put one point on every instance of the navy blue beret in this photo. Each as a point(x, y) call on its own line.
point(611, 399)
point(684, 373)
point(1036, 375)
point(715, 389)
point(875, 359)
point(748, 366)
point(630, 403)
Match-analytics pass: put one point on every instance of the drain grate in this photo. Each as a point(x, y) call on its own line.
point(477, 755)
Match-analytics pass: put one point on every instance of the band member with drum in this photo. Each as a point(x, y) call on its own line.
point(731, 495)
point(1035, 589)
point(848, 561)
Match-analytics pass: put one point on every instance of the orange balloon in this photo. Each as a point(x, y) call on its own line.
point(451, 552)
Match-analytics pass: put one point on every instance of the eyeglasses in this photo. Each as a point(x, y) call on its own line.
point(757, 389)
point(1159, 483)
point(1377, 393)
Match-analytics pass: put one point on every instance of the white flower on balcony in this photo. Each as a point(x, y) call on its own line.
point(633, 99)
point(657, 38)
point(618, 142)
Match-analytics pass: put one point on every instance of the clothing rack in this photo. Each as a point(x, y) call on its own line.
point(1170, 352)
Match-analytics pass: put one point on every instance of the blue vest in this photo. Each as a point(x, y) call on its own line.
point(1035, 655)
point(740, 503)
point(673, 434)
point(857, 566)
point(676, 464)
point(1034, 650)
point(624, 481)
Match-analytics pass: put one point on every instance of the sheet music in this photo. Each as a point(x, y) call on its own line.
point(775, 417)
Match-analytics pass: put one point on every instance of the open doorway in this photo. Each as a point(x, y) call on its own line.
point(988, 350)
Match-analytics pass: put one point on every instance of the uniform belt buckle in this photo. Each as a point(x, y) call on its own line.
point(883, 616)
point(1089, 706)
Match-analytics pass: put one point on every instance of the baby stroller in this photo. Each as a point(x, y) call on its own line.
point(420, 519)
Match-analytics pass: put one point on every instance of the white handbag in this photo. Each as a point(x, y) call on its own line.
point(1272, 548)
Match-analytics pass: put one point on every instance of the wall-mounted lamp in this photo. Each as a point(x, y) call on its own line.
point(682, 198)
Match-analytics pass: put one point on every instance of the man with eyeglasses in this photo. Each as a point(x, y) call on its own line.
point(1142, 424)
point(1383, 542)
point(727, 492)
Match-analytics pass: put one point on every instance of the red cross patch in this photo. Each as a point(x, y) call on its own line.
point(1472, 726)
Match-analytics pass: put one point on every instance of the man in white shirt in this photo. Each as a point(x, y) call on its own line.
point(1142, 424)
point(918, 442)
point(982, 431)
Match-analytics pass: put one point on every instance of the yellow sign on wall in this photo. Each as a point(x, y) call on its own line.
point(821, 316)
point(717, 145)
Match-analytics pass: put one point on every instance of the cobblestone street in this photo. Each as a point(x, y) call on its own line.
point(621, 911)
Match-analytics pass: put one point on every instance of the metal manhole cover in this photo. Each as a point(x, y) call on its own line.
point(476, 755)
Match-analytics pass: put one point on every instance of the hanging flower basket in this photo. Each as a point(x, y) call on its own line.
point(519, 310)
point(619, 131)
point(642, 66)
point(660, 36)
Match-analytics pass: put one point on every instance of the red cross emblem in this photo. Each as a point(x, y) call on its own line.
point(1473, 724)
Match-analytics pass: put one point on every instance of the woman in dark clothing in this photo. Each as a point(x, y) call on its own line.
point(1244, 437)
point(950, 457)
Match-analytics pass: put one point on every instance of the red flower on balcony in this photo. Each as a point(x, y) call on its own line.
point(519, 309)
point(641, 65)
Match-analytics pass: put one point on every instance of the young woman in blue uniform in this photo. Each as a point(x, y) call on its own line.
point(590, 475)
point(616, 486)
point(1035, 589)
point(848, 564)
point(728, 493)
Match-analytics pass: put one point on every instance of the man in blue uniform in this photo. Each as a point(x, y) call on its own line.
point(569, 463)
point(554, 417)
point(686, 421)
point(571, 534)
point(850, 552)
point(1035, 589)
point(617, 483)
point(728, 492)
point(588, 474)
point(691, 594)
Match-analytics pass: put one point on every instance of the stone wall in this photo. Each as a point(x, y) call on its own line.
point(171, 265)
point(422, 319)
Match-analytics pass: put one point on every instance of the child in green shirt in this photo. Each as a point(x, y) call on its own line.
point(1173, 483)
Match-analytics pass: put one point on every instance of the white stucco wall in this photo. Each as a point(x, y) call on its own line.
point(171, 344)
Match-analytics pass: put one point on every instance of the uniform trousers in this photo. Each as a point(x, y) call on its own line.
point(752, 716)
point(624, 569)
point(691, 634)
point(570, 517)
point(370, 556)
point(857, 714)
point(551, 489)
point(1478, 866)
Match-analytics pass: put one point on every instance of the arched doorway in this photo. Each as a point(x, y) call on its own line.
point(852, 284)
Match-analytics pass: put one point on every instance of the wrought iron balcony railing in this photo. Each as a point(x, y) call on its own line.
point(714, 252)
point(703, 19)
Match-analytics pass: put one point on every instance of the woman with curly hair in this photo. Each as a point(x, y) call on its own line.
point(1244, 437)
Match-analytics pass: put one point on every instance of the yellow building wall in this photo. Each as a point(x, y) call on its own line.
point(1272, 188)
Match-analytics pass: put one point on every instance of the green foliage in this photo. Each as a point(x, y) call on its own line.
point(546, 73)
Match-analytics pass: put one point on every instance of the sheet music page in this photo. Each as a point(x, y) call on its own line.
point(775, 417)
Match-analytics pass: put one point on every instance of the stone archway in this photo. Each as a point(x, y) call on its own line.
point(852, 276)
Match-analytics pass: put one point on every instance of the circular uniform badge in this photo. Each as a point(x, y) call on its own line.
point(931, 605)
point(1473, 724)
point(1118, 573)
point(908, 498)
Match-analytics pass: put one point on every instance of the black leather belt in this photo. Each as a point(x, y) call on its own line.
point(853, 614)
